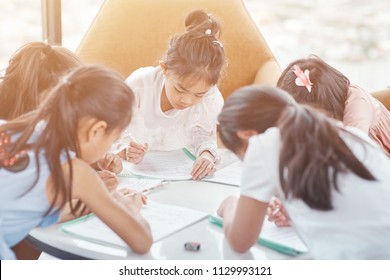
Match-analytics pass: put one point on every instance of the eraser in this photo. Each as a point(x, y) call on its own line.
point(192, 246)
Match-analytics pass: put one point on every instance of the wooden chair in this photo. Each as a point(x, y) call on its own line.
point(128, 34)
point(383, 96)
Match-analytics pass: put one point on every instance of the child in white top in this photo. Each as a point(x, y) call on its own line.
point(333, 181)
point(177, 103)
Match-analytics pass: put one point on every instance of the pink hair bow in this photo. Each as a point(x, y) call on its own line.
point(303, 78)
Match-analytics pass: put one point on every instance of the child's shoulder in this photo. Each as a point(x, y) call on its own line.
point(144, 72)
point(145, 75)
point(358, 94)
point(266, 145)
point(268, 138)
point(356, 91)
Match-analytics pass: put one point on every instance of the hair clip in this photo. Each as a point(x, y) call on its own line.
point(65, 81)
point(303, 79)
point(218, 43)
point(15, 163)
point(207, 31)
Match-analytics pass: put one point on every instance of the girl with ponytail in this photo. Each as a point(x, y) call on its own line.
point(34, 68)
point(177, 102)
point(333, 180)
point(45, 159)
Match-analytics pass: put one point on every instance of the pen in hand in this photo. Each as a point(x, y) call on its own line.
point(143, 147)
point(135, 151)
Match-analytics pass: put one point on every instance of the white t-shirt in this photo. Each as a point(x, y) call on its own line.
point(359, 225)
point(193, 127)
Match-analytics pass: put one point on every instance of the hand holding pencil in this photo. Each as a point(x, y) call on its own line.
point(130, 198)
point(277, 213)
point(136, 151)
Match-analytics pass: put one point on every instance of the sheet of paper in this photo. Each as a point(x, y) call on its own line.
point(167, 165)
point(229, 175)
point(139, 185)
point(280, 236)
point(164, 220)
point(286, 236)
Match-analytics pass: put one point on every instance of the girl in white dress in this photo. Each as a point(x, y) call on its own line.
point(177, 102)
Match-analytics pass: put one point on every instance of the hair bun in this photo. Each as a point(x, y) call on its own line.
point(196, 17)
point(201, 22)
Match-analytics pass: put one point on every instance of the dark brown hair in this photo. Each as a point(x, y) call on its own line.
point(329, 90)
point(197, 53)
point(34, 67)
point(87, 91)
point(312, 152)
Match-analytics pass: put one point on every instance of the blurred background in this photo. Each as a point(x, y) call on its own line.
point(351, 35)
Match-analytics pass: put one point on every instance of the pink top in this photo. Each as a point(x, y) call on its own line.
point(368, 114)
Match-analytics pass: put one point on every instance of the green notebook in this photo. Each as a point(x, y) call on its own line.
point(282, 239)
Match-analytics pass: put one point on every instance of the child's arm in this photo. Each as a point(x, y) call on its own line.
point(121, 215)
point(242, 221)
point(205, 135)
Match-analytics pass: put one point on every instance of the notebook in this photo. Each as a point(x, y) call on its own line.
point(285, 240)
point(177, 165)
point(228, 175)
point(164, 220)
point(166, 165)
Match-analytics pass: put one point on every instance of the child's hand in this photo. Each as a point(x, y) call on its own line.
point(277, 214)
point(135, 152)
point(111, 162)
point(227, 203)
point(203, 166)
point(109, 178)
point(130, 198)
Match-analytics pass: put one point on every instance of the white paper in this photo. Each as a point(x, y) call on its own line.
point(139, 185)
point(286, 236)
point(229, 175)
point(168, 165)
point(164, 220)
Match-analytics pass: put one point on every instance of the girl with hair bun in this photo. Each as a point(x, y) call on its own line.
point(177, 102)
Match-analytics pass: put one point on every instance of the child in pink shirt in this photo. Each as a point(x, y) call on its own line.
point(312, 81)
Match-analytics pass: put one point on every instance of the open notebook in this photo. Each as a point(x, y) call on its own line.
point(282, 239)
point(164, 220)
point(166, 165)
point(177, 165)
